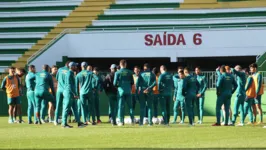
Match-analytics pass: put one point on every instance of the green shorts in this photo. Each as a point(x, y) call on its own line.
point(257, 100)
point(13, 101)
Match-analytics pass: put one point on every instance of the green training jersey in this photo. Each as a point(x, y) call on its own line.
point(180, 91)
point(192, 85)
point(97, 82)
point(146, 80)
point(70, 83)
point(60, 77)
point(44, 82)
point(84, 83)
point(241, 81)
point(202, 84)
point(165, 84)
point(124, 81)
point(226, 84)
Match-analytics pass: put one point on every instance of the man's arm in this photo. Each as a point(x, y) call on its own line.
point(184, 90)
point(77, 84)
point(3, 85)
point(57, 74)
point(259, 83)
point(51, 84)
point(249, 83)
point(205, 82)
point(153, 81)
point(219, 82)
point(234, 86)
point(160, 83)
point(116, 80)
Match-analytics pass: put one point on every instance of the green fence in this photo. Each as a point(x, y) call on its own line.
point(210, 102)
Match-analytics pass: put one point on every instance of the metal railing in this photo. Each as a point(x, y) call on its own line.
point(134, 29)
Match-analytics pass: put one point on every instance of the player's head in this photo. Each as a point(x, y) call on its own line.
point(96, 70)
point(118, 67)
point(179, 68)
point(89, 68)
point(197, 70)
point(31, 68)
point(20, 72)
point(123, 63)
point(222, 69)
point(113, 68)
point(146, 66)
point(136, 70)
point(72, 66)
point(11, 70)
point(227, 69)
point(66, 64)
point(181, 74)
point(246, 71)
point(45, 67)
point(155, 71)
point(84, 65)
point(54, 69)
point(163, 68)
point(186, 71)
point(253, 67)
point(238, 68)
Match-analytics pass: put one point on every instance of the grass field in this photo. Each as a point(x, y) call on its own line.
point(104, 136)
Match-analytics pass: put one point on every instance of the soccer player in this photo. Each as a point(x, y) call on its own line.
point(165, 86)
point(20, 72)
point(70, 96)
point(156, 96)
point(111, 92)
point(11, 85)
point(44, 81)
point(51, 105)
point(30, 84)
point(175, 78)
point(145, 83)
point(258, 80)
point(84, 88)
point(191, 96)
point(135, 96)
point(226, 86)
point(60, 76)
point(201, 93)
point(240, 94)
point(98, 88)
point(250, 95)
point(179, 96)
point(123, 81)
point(89, 68)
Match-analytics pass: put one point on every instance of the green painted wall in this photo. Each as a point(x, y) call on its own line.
point(210, 103)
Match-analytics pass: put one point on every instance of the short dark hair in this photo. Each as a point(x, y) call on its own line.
point(123, 62)
point(22, 70)
point(146, 65)
point(45, 67)
point(66, 64)
point(253, 65)
point(246, 70)
point(137, 67)
point(198, 67)
point(95, 69)
point(187, 69)
point(180, 67)
point(31, 66)
point(155, 70)
point(181, 71)
point(118, 67)
point(222, 68)
point(11, 67)
point(54, 66)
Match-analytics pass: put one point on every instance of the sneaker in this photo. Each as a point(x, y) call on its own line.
point(21, 121)
point(230, 122)
point(30, 122)
point(35, 122)
point(10, 121)
point(88, 123)
point(67, 126)
point(99, 121)
point(94, 123)
point(120, 124)
point(114, 124)
point(240, 125)
point(81, 125)
point(181, 122)
point(192, 125)
point(216, 124)
point(199, 122)
point(42, 121)
point(222, 123)
point(249, 123)
point(55, 123)
point(150, 125)
point(51, 121)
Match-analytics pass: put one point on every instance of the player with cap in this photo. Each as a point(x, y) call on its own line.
point(60, 77)
point(84, 87)
point(70, 95)
point(111, 92)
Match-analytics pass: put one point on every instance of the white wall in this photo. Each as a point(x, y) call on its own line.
point(223, 42)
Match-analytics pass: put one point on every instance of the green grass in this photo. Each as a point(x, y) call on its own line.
point(104, 136)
